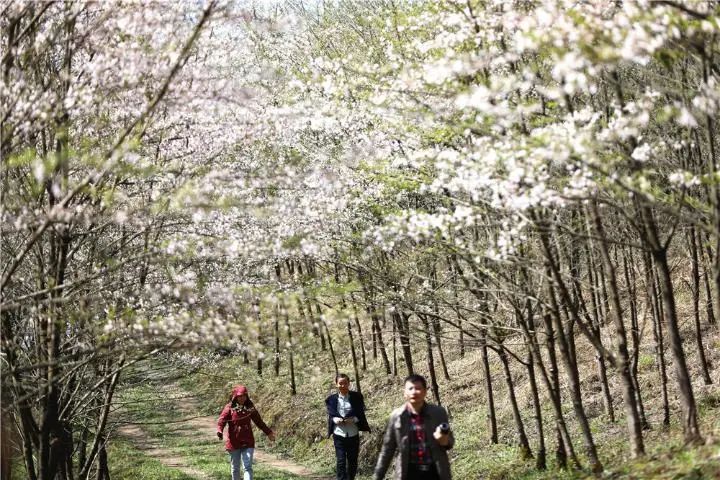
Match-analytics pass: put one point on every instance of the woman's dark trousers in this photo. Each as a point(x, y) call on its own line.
point(346, 453)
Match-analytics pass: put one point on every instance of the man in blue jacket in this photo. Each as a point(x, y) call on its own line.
point(346, 418)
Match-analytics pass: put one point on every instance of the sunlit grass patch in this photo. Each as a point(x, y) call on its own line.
point(126, 462)
point(163, 422)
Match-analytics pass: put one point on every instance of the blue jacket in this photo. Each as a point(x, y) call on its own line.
point(357, 405)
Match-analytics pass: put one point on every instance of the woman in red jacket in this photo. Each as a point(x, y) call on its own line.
point(240, 442)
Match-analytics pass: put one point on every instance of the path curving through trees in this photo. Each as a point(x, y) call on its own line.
point(201, 428)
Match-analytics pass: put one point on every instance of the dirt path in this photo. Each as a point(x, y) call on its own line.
point(202, 428)
point(153, 449)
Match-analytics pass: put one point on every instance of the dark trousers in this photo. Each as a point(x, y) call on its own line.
point(346, 453)
point(415, 473)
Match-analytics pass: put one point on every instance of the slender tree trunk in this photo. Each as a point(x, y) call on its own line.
point(488, 387)
point(276, 364)
point(371, 312)
point(329, 338)
point(451, 266)
point(658, 248)
point(359, 330)
point(631, 282)
point(709, 313)
point(693, 244)
point(709, 305)
point(573, 377)
point(564, 447)
point(103, 472)
point(316, 326)
point(541, 459)
point(691, 429)
point(657, 313)
point(343, 310)
point(394, 350)
point(622, 362)
point(437, 328)
point(402, 322)
point(524, 444)
point(98, 446)
point(258, 319)
point(291, 356)
point(430, 359)
point(599, 359)
point(82, 447)
point(380, 343)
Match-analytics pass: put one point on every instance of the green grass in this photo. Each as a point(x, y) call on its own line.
point(161, 424)
point(126, 462)
point(299, 422)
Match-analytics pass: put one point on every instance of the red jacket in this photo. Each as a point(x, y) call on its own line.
point(238, 417)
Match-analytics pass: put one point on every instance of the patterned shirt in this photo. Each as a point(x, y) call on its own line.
point(418, 442)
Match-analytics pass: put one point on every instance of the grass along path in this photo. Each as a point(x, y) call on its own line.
point(165, 426)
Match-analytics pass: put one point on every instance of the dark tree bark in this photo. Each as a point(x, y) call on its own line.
point(430, 359)
point(361, 338)
point(258, 319)
point(276, 359)
point(380, 343)
point(650, 235)
point(622, 361)
point(709, 304)
point(492, 420)
point(595, 325)
point(570, 366)
point(657, 316)
point(693, 240)
point(454, 274)
point(523, 443)
point(437, 327)
point(631, 282)
point(564, 446)
point(291, 356)
point(333, 357)
point(402, 323)
point(691, 428)
point(541, 459)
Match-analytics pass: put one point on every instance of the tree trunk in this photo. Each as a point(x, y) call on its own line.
point(524, 444)
point(690, 425)
point(430, 359)
point(599, 359)
point(451, 266)
point(437, 328)
point(572, 375)
point(329, 338)
point(564, 447)
point(622, 362)
point(657, 315)
point(541, 460)
point(631, 282)
point(276, 363)
point(488, 387)
point(402, 322)
point(709, 305)
point(361, 339)
point(693, 244)
point(291, 356)
point(258, 319)
point(380, 343)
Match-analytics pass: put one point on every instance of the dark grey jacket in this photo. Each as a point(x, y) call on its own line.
point(396, 438)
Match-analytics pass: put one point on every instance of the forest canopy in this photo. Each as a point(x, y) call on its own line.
point(515, 176)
